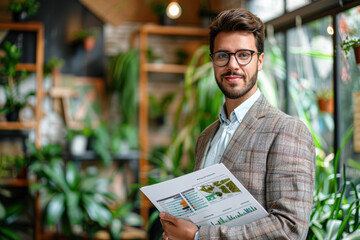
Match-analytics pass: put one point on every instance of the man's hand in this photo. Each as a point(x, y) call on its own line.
point(177, 228)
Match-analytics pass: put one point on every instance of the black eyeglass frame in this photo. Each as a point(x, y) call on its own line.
point(234, 53)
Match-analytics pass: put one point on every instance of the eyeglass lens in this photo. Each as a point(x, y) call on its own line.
point(243, 57)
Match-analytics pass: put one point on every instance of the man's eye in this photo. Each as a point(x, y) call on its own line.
point(243, 54)
point(222, 56)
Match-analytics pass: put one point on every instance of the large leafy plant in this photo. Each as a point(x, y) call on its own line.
point(335, 213)
point(10, 215)
point(77, 199)
point(124, 69)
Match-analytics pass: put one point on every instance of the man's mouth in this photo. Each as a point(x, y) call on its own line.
point(233, 76)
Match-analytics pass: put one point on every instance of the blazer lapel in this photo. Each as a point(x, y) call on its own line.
point(245, 129)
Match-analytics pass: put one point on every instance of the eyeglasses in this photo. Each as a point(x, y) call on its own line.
point(242, 56)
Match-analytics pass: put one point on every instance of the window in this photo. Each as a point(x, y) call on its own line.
point(349, 88)
point(266, 10)
point(292, 5)
point(310, 78)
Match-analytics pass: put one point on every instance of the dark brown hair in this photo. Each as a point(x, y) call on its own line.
point(238, 19)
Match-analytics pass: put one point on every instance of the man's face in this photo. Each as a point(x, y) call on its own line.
point(234, 80)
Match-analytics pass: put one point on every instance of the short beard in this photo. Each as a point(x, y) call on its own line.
point(236, 94)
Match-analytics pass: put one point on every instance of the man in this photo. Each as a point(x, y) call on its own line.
point(271, 153)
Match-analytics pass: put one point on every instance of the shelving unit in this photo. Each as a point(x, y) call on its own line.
point(145, 68)
point(36, 67)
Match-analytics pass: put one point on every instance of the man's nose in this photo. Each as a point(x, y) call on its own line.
point(233, 64)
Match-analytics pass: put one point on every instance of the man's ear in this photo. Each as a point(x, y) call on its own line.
point(260, 61)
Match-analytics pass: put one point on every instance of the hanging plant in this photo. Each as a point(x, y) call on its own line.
point(348, 44)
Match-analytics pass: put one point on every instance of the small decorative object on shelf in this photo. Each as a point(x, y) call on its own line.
point(21, 9)
point(159, 7)
point(87, 37)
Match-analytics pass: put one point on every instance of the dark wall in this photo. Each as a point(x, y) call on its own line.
point(59, 17)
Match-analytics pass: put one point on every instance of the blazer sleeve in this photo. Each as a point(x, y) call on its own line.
point(290, 178)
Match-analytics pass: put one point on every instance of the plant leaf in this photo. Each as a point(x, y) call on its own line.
point(97, 212)
point(332, 228)
point(115, 228)
point(353, 236)
point(2, 211)
point(55, 209)
point(9, 234)
point(72, 176)
point(73, 207)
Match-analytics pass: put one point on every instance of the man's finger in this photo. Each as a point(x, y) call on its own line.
point(167, 217)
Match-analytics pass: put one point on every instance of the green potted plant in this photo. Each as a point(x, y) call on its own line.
point(159, 108)
point(348, 44)
point(325, 100)
point(13, 166)
point(123, 83)
point(335, 213)
point(349, 24)
point(10, 81)
point(53, 65)
point(21, 9)
point(90, 138)
point(87, 37)
point(158, 7)
point(77, 199)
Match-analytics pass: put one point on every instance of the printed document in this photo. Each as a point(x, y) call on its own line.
point(210, 196)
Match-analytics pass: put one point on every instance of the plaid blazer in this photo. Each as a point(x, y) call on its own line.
point(273, 156)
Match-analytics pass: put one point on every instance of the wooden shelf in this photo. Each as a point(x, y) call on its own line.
point(29, 67)
point(165, 68)
point(17, 125)
point(37, 67)
point(21, 26)
point(14, 182)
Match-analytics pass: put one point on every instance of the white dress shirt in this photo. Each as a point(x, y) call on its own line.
point(226, 131)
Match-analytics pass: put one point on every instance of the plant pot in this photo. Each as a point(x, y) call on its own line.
point(357, 54)
point(13, 115)
point(89, 43)
point(19, 16)
point(326, 105)
point(165, 20)
point(78, 145)
point(90, 143)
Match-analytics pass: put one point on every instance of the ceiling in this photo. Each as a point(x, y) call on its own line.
point(117, 11)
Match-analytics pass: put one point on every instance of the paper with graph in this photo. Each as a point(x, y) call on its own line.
point(210, 196)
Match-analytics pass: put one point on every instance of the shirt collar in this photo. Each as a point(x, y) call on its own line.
point(240, 111)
